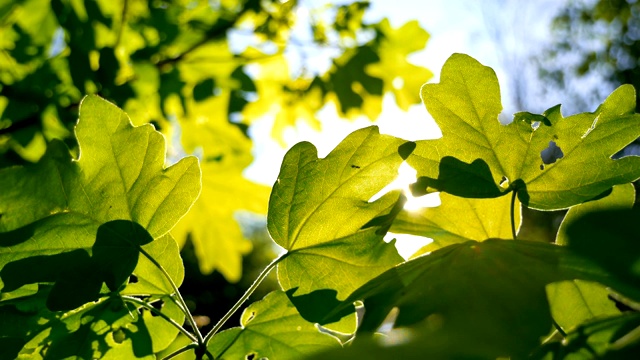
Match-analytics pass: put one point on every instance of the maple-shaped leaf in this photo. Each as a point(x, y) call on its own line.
point(354, 90)
point(79, 223)
point(552, 163)
point(399, 75)
point(288, 100)
point(489, 296)
point(220, 245)
point(457, 220)
point(318, 208)
point(214, 231)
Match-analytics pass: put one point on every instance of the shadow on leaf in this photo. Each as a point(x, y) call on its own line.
point(315, 306)
point(461, 179)
point(77, 275)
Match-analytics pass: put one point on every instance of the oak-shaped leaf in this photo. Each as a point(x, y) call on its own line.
point(70, 216)
point(489, 296)
point(320, 212)
point(553, 163)
point(271, 328)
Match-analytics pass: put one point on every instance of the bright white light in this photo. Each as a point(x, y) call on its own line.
point(406, 244)
point(407, 176)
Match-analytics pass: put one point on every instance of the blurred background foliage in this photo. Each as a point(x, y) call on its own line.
point(201, 72)
point(594, 49)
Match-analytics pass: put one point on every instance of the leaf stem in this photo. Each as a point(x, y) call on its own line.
point(180, 351)
point(244, 297)
point(182, 304)
point(513, 214)
point(149, 307)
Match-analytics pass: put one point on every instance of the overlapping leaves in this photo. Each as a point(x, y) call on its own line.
point(80, 224)
point(271, 328)
point(551, 161)
point(319, 206)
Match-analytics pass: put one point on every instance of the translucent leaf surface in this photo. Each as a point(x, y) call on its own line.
point(108, 329)
point(551, 166)
point(271, 328)
point(611, 338)
point(489, 296)
point(220, 244)
point(609, 238)
point(574, 302)
point(318, 207)
point(459, 220)
point(55, 211)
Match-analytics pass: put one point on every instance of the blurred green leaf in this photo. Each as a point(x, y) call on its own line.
point(489, 296)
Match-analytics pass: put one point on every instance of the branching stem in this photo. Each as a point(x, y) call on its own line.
point(180, 351)
point(149, 307)
point(244, 297)
point(182, 304)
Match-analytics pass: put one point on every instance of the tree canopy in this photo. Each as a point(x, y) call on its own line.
point(201, 72)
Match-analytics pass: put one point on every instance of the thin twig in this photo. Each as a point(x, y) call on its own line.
point(513, 214)
point(244, 297)
point(180, 351)
point(150, 307)
point(182, 303)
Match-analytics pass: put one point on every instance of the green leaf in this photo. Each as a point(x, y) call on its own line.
point(551, 166)
point(108, 329)
point(149, 280)
point(610, 338)
point(622, 197)
point(271, 328)
point(575, 302)
point(608, 238)
point(66, 215)
point(319, 206)
point(458, 220)
point(220, 244)
point(489, 296)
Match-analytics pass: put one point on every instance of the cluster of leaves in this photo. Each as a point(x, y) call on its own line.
point(178, 66)
point(90, 270)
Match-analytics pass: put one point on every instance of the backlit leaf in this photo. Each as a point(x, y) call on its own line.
point(489, 296)
point(399, 75)
point(271, 328)
point(318, 207)
point(458, 220)
point(220, 244)
point(118, 193)
point(551, 167)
